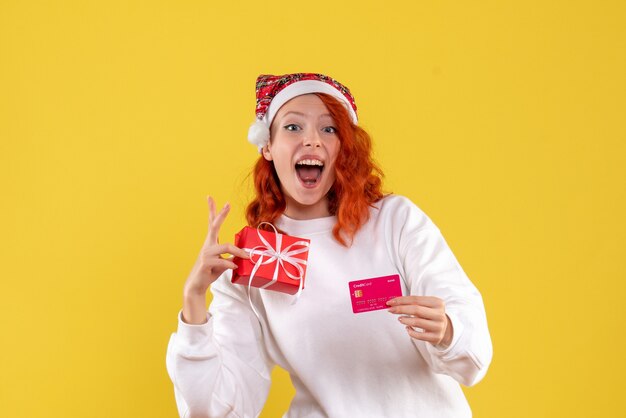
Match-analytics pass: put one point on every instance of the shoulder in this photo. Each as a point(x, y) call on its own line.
point(400, 210)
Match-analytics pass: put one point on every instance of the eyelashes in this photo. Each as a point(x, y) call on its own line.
point(292, 127)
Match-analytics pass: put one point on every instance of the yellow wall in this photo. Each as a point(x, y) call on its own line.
point(503, 120)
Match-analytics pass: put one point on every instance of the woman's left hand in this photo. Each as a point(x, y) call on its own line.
point(427, 313)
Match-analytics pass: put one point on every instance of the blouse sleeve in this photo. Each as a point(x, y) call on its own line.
point(431, 269)
point(220, 368)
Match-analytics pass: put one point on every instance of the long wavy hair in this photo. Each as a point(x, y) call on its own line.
point(358, 180)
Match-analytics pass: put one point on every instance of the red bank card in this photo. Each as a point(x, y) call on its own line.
point(373, 294)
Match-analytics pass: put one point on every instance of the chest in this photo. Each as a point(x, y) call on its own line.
point(321, 323)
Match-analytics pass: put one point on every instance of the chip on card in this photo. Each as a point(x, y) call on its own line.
point(373, 294)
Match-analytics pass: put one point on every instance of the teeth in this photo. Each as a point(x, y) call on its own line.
point(310, 162)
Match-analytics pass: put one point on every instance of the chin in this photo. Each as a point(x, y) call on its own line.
point(310, 199)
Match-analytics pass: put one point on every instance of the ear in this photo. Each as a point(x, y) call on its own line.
point(267, 154)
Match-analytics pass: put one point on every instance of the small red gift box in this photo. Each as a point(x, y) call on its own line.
point(277, 261)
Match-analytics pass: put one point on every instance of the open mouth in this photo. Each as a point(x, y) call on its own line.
point(309, 171)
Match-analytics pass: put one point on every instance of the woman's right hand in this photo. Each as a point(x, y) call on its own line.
point(208, 267)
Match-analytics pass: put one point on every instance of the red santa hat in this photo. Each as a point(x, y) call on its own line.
point(273, 91)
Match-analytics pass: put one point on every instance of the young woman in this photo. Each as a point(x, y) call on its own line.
point(316, 179)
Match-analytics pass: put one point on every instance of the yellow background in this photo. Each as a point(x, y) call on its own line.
point(503, 120)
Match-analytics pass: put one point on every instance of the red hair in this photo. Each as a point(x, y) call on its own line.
point(358, 180)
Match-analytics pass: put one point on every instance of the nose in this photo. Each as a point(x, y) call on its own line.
point(312, 139)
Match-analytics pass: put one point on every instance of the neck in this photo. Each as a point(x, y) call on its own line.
point(295, 210)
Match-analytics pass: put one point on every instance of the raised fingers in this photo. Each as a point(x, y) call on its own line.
point(211, 203)
point(215, 221)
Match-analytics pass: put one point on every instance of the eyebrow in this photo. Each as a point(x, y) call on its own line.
point(302, 114)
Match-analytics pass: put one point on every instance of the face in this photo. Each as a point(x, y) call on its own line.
point(304, 146)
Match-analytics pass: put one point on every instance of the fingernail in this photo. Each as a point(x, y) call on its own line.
point(390, 302)
point(391, 310)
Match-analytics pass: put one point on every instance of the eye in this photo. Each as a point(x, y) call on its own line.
point(292, 127)
point(330, 130)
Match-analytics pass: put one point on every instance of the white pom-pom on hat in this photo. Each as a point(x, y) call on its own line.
point(259, 134)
